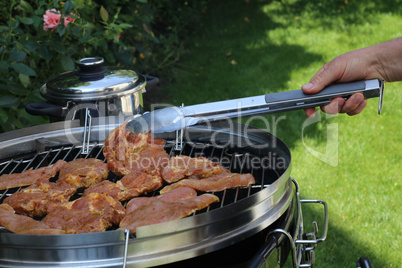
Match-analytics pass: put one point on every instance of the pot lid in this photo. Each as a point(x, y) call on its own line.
point(92, 81)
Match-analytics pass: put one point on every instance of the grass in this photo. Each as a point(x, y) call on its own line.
point(245, 48)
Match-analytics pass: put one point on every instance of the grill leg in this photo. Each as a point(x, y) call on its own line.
point(363, 262)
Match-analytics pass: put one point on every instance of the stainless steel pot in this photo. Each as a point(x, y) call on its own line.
point(105, 91)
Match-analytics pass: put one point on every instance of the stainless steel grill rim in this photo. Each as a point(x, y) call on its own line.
point(156, 244)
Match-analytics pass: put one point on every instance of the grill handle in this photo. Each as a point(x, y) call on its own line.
point(369, 89)
point(302, 250)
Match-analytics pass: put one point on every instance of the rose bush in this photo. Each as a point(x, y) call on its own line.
point(40, 39)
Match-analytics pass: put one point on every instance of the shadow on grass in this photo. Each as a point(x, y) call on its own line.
point(232, 57)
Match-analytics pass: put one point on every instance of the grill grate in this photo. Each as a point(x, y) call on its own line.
point(231, 158)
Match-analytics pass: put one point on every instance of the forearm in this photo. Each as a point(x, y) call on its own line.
point(387, 58)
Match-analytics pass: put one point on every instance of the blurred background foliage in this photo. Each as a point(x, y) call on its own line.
point(142, 35)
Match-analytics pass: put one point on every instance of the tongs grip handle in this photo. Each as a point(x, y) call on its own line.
point(369, 88)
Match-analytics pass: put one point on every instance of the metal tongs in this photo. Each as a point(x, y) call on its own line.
point(175, 118)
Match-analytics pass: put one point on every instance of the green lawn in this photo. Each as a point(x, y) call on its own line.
point(245, 48)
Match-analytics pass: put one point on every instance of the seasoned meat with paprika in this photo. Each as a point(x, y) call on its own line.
point(175, 195)
point(91, 213)
point(132, 185)
point(30, 176)
point(162, 211)
point(216, 183)
point(126, 152)
point(32, 201)
point(82, 172)
point(21, 224)
point(183, 166)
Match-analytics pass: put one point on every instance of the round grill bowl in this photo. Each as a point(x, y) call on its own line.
point(242, 212)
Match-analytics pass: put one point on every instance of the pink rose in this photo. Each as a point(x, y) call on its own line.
point(52, 18)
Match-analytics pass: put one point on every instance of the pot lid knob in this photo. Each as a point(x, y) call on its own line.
point(89, 67)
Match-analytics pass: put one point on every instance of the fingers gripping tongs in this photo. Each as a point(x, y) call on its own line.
point(175, 118)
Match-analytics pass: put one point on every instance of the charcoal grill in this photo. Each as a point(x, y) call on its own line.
point(265, 218)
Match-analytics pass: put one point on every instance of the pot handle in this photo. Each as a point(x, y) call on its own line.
point(152, 82)
point(44, 108)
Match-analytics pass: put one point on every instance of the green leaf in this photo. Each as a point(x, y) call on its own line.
point(24, 79)
point(115, 39)
point(104, 14)
point(3, 28)
point(36, 20)
point(39, 11)
point(23, 69)
point(59, 48)
point(142, 1)
point(34, 96)
point(15, 23)
point(125, 25)
point(79, 3)
point(68, 6)
point(71, 50)
point(25, 20)
point(9, 101)
point(11, 86)
point(18, 90)
point(67, 63)
point(32, 120)
point(17, 56)
point(45, 53)
point(84, 38)
point(42, 3)
point(16, 121)
point(4, 65)
point(29, 46)
point(32, 63)
point(61, 29)
point(26, 6)
point(3, 116)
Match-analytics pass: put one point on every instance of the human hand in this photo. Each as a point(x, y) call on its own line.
point(380, 61)
point(338, 70)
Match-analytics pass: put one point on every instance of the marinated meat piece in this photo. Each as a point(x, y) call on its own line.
point(183, 166)
point(83, 172)
point(21, 224)
point(91, 213)
point(131, 185)
point(106, 187)
point(173, 196)
point(216, 183)
point(126, 152)
point(30, 176)
point(161, 211)
point(152, 157)
point(140, 182)
point(32, 201)
point(76, 221)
